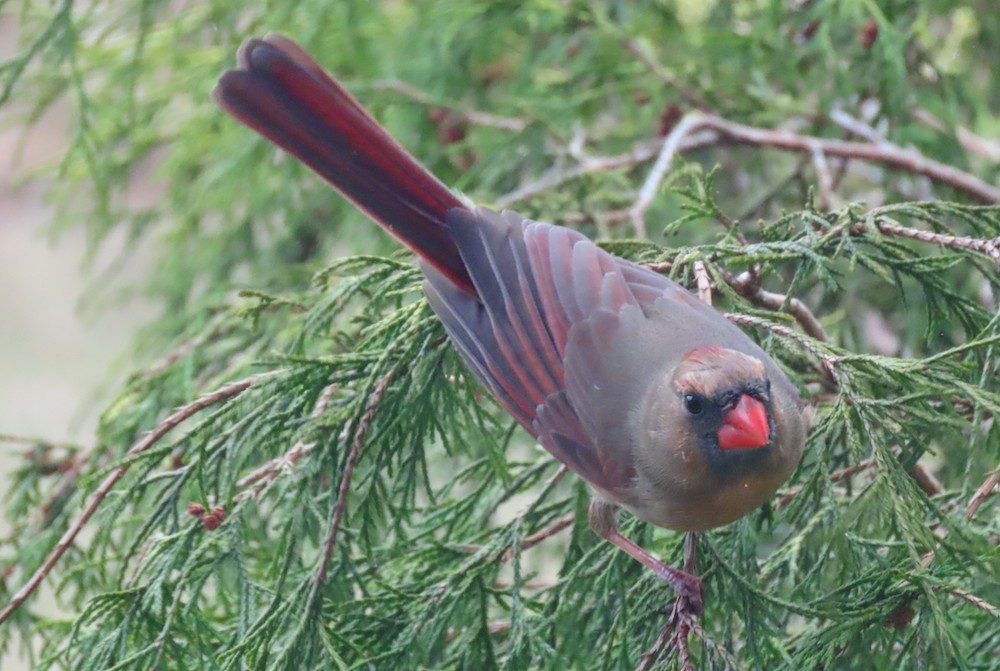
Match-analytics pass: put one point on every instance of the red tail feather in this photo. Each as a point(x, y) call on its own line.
point(279, 91)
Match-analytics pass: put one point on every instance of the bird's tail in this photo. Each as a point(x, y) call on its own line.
point(278, 90)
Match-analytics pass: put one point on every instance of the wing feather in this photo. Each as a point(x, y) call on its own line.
point(547, 331)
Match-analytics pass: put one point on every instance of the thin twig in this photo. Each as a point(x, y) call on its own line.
point(855, 126)
point(824, 179)
point(703, 281)
point(747, 286)
point(977, 144)
point(880, 151)
point(977, 601)
point(659, 170)
point(540, 535)
point(345, 479)
point(534, 539)
point(989, 247)
point(908, 160)
point(982, 493)
point(641, 151)
point(836, 476)
point(266, 474)
point(227, 392)
point(650, 656)
point(183, 349)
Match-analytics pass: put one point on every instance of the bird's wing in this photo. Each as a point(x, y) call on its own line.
point(556, 320)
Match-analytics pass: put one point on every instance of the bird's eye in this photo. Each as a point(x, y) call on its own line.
point(692, 403)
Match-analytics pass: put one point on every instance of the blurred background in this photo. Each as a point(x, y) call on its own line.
point(54, 353)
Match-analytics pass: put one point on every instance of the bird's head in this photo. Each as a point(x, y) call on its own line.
point(726, 396)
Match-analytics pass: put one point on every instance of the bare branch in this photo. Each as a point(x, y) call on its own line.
point(659, 170)
point(540, 535)
point(747, 286)
point(983, 493)
point(703, 282)
point(227, 392)
point(908, 160)
point(824, 178)
point(836, 476)
point(989, 247)
point(977, 601)
point(977, 144)
point(640, 152)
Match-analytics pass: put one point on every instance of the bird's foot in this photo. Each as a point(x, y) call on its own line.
point(689, 602)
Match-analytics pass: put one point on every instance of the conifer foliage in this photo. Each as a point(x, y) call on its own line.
point(301, 473)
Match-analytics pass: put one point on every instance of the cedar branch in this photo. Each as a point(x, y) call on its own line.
point(230, 390)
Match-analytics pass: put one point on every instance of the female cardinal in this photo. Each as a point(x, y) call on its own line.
point(655, 399)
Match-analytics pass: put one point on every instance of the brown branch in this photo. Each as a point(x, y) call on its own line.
point(924, 479)
point(348, 473)
point(650, 656)
point(703, 282)
point(540, 535)
point(719, 130)
point(884, 152)
point(977, 144)
point(641, 151)
point(534, 539)
point(989, 247)
point(266, 474)
point(982, 493)
point(747, 286)
point(659, 170)
point(229, 391)
point(836, 476)
point(977, 601)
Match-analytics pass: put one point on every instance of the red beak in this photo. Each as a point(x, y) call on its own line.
point(745, 425)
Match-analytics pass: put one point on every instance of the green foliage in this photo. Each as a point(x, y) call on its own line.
point(364, 395)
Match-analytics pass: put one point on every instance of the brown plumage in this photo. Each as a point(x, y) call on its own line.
point(660, 403)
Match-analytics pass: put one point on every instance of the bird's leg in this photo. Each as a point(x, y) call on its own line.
point(687, 586)
point(691, 553)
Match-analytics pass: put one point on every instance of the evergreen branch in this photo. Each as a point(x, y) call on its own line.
point(529, 541)
point(266, 474)
point(650, 657)
point(224, 393)
point(345, 478)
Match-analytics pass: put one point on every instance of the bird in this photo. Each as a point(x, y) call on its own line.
point(655, 399)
